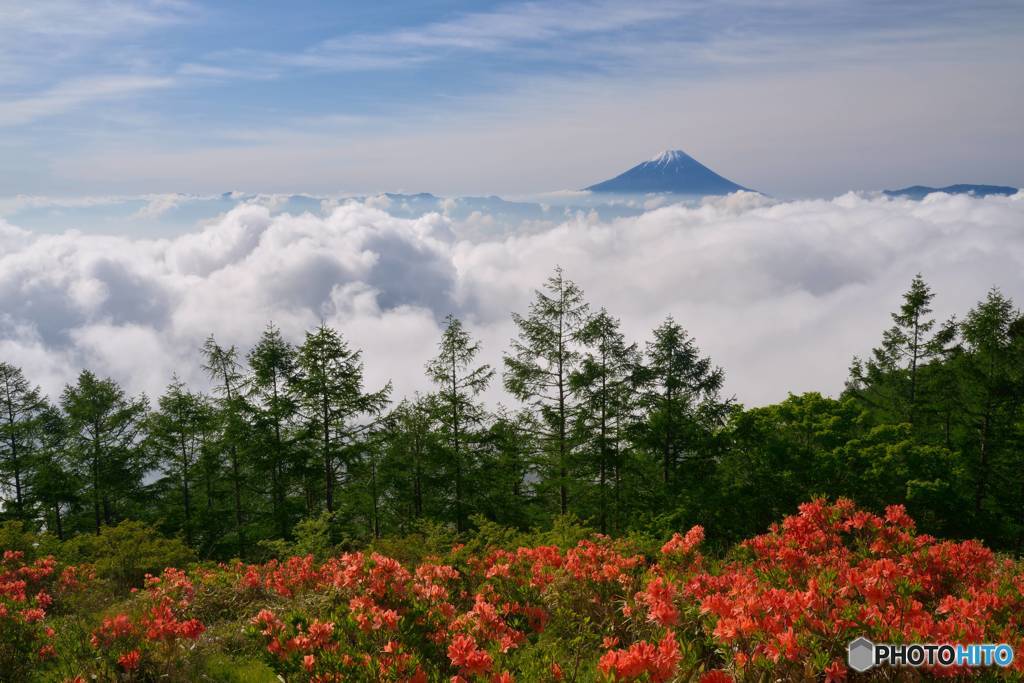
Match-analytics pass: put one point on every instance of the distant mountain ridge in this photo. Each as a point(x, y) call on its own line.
point(922, 191)
point(673, 171)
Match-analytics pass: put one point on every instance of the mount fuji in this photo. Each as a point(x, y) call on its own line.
point(673, 171)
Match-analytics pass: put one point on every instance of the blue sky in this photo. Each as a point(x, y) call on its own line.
point(793, 97)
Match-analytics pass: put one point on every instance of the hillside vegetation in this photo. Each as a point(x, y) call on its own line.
point(325, 530)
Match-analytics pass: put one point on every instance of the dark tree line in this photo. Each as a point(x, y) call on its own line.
point(628, 437)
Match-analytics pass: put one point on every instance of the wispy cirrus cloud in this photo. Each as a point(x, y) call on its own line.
point(68, 95)
point(512, 26)
point(37, 37)
point(646, 37)
point(59, 55)
point(62, 19)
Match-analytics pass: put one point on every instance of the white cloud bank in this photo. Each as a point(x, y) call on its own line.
point(782, 295)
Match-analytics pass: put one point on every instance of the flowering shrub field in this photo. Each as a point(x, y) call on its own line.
point(780, 606)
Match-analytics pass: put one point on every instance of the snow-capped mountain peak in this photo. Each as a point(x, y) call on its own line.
point(670, 156)
point(673, 172)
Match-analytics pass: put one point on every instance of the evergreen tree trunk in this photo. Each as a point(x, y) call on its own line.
point(913, 370)
point(236, 471)
point(604, 451)
point(236, 477)
point(373, 493)
point(982, 482)
point(563, 473)
point(18, 499)
point(96, 492)
point(208, 480)
point(456, 445)
point(277, 470)
point(669, 436)
point(275, 510)
point(186, 502)
point(417, 474)
point(58, 524)
point(328, 465)
point(188, 507)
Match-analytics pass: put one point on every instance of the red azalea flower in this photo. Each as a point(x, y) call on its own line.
point(129, 660)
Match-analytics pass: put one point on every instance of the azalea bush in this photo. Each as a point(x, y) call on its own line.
point(30, 593)
point(779, 606)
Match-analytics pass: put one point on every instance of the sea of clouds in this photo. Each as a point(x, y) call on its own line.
point(781, 294)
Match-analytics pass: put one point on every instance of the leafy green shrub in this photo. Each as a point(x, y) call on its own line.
point(312, 537)
point(14, 535)
point(566, 531)
point(223, 669)
point(428, 538)
point(125, 553)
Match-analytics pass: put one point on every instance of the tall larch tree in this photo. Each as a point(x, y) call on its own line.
point(227, 374)
point(332, 400)
point(605, 384)
point(890, 380)
point(990, 379)
point(104, 427)
point(274, 403)
point(411, 434)
point(458, 381)
point(542, 360)
point(680, 396)
point(177, 432)
point(21, 411)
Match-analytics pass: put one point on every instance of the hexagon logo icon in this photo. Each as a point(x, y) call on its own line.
point(860, 654)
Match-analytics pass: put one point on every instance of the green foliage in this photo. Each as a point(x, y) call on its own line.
point(565, 532)
point(488, 535)
point(457, 409)
point(538, 371)
point(102, 433)
point(125, 553)
point(311, 536)
point(22, 418)
point(428, 538)
point(15, 535)
point(221, 668)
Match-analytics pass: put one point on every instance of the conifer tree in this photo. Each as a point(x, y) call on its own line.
point(21, 410)
point(605, 385)
point(330, 391)
point(410, 436)
point(458, 383)
point(540, 364)
point(990, 390)
point(274, 405)
point(507, 475)
point(891, 379)
point(222, 366)
point(177, 432)
point(679, 393)
point(103, 431)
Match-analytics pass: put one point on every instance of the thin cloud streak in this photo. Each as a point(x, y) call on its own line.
point(72, 94)
point(507, 28)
